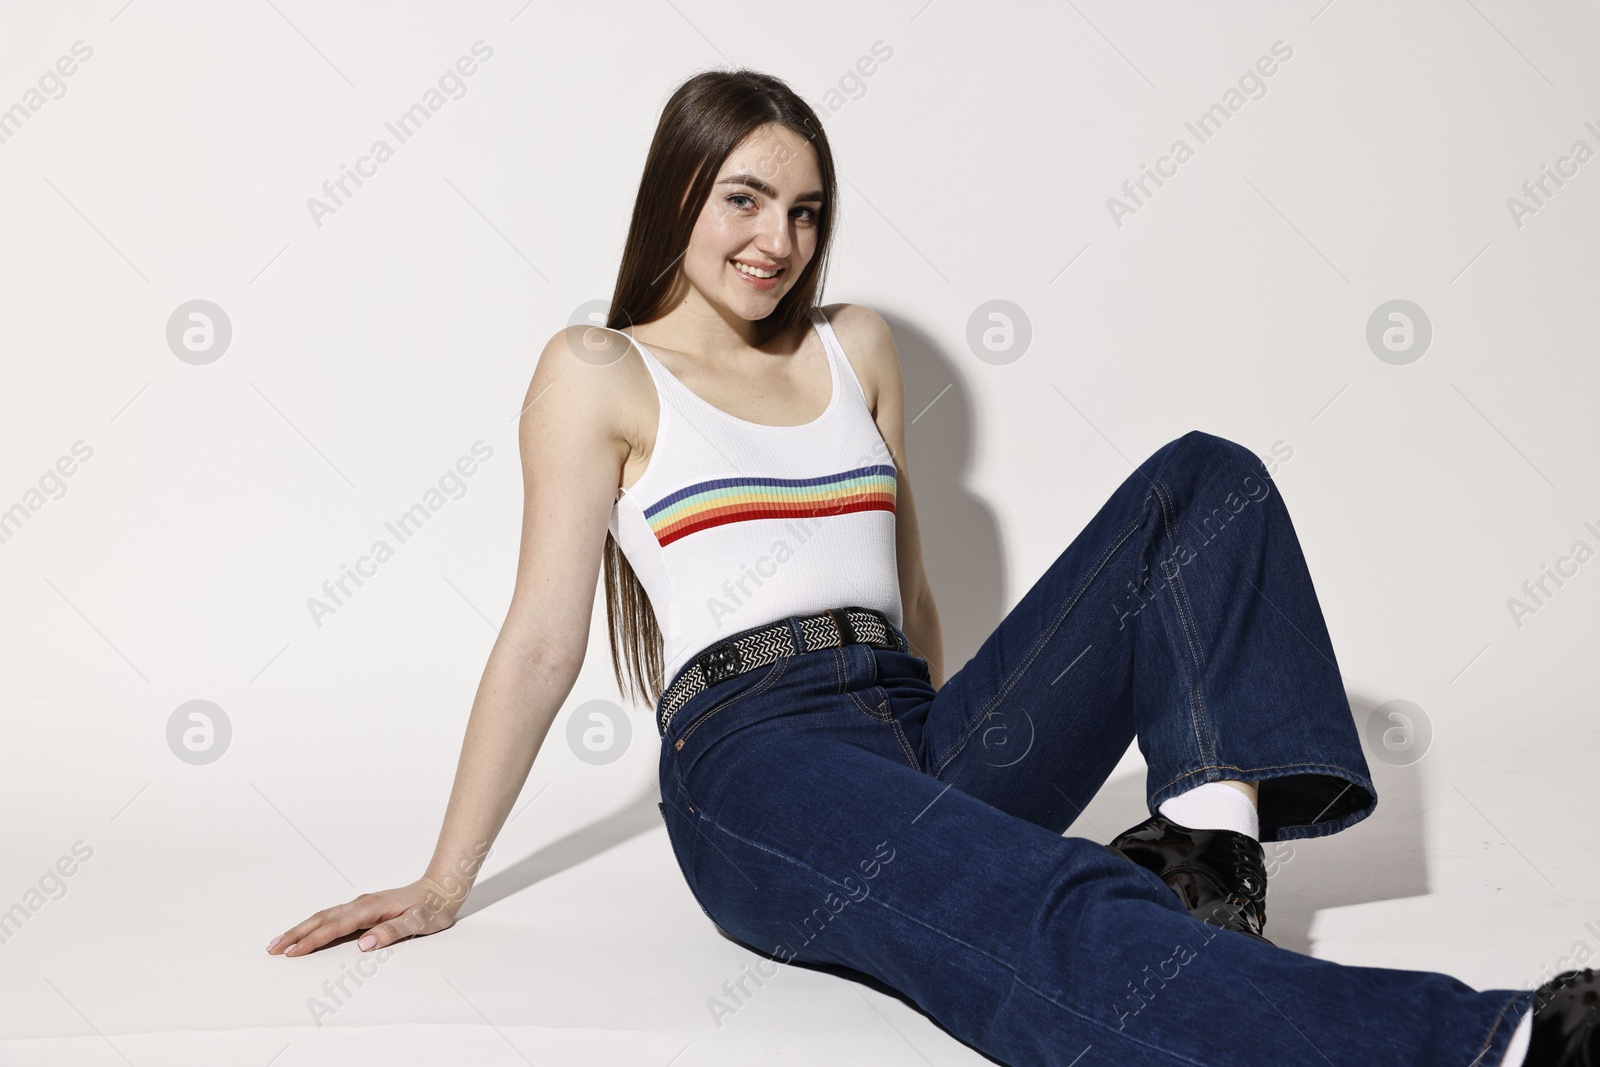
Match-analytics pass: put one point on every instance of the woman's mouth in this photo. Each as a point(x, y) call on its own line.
point(755, 277)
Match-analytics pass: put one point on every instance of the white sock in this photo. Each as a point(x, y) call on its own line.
point(1213, 806)
point(1517, 1051)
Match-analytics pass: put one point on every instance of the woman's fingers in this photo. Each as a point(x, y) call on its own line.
point(326, 925)
point(281, 944)
point(387, 917)
point(415, 920)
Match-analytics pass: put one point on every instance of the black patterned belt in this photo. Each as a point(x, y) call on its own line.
point(757, 647)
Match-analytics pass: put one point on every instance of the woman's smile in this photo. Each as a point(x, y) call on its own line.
point(745, 271)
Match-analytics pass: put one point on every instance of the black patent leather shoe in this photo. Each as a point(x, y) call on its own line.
point(1219, 875)
point(1566, 1021)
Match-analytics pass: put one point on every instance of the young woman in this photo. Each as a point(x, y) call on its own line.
point(742, 452)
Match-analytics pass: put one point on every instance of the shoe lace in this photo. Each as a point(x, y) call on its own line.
point(1248, 870)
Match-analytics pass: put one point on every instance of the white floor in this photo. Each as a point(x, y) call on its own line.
point(582, 945)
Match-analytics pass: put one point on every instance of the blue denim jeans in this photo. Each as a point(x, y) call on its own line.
point(835, 809)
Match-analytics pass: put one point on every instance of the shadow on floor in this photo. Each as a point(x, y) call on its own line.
point(1383, 857)
point(639, 816)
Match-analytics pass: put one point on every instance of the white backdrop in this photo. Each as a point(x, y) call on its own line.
point(1396, 152)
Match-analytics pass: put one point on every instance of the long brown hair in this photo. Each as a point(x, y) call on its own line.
point(703, 121)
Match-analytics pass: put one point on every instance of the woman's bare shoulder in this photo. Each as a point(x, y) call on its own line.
point(599, 379)
point(869, 344)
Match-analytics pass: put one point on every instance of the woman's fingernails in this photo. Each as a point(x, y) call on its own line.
point(274, 941)
point(367, 942)
point(291, 948)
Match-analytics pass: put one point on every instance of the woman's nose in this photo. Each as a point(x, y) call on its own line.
point(774, 240)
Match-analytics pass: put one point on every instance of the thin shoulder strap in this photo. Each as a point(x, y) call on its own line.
point(830, 343)
point(662, 380)
point(650, 363)
point(629, 336)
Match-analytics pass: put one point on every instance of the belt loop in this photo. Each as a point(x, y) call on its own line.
point(797, 635)
point(902, 643)
point(841, 620)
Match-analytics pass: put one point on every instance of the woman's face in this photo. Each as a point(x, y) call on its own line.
point(762, 212)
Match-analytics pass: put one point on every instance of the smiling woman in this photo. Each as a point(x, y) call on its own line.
point(768, 206)
point(719, 281)
point(726, 444)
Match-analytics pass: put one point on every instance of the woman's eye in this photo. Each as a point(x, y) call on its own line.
point(736, 199)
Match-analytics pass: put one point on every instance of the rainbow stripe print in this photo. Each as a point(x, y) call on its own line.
point(723, 500)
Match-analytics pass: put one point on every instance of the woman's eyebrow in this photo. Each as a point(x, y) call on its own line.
point(815, 196)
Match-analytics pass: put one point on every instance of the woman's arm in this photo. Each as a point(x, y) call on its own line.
point(572, 455)
point(867, 337)
point(573, 449)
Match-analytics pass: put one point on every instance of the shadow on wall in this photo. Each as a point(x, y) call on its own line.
point(962, 554)
point(961, 545)
point(1383, 857)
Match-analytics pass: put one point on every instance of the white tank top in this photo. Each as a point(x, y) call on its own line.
point(736, 524)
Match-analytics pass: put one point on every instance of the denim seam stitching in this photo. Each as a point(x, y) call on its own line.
point(1015, 974)
point(1033, 653)
point(899, 734)
point(694, 842)
point(905, 745)
point(1191, 624)
point(677, 775)
point(1258, 767)
point(862, 707)
point(1191, 628)
point(883, 714)
point(1345, 774)
point(694, 852)
point(1489, 1040)
point(888, 719)
point(766, 681)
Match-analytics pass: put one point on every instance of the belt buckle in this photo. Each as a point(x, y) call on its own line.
point(720, 663)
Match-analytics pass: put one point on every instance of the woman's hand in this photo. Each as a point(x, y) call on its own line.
point(423, 907)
